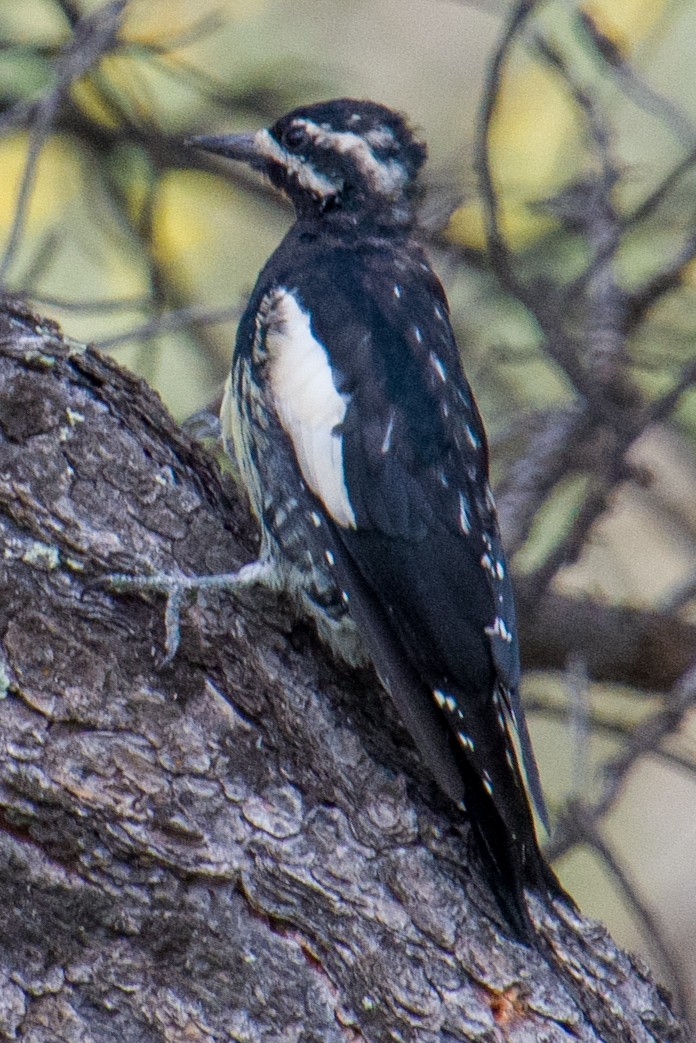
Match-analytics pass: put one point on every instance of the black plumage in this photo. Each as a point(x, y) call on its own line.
point(366, 462)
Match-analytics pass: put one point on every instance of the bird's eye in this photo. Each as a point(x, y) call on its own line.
point(295, 138)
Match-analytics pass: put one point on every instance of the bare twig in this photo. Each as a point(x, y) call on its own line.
point(568, 550)
point(108, 305)
point(549, 457)
point(94, 35)
point(662, 281)
point(649, 923)
point(183, 318)
point(598, 724)
point(645, 738)
point(497, 247)
point(635, 87)
point(603, 301)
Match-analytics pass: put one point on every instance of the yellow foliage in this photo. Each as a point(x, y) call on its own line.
point(34, 22)
point(178, 228)
point(534, 124)
point(533, 130)
point(466, 225)
point(534, 135)
point(144, 20)
point(92, 102)
point(625, 22)
point(56, 181)
point(200, 220)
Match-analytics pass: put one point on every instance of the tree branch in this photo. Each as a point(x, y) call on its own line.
point(243, 844)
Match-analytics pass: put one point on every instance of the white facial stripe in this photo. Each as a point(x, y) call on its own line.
point(379, 137)
point(307, 177)
point(309, 407)
point(385, 177)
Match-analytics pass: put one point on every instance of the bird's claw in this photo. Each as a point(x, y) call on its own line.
point(177, 588)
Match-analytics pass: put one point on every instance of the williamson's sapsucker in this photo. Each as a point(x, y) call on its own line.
point(365, 459)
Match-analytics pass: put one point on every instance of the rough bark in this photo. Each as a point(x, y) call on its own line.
point(241, 845)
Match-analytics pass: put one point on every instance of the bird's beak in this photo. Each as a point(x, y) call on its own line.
point(242, 147)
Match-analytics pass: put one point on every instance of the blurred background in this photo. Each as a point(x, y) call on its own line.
point(561, 214)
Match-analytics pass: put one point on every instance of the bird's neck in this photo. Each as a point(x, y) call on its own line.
point(346, 212)
point(395, 222)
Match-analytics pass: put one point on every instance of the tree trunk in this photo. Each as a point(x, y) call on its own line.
point(241, 845)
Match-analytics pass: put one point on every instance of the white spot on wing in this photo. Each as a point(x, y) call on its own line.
point(446, 701)
point(499, 629)
point(464, 519)
point(418, 335)
point(438, 366)
point(495, 568)
point(397, 291)
point(309, 407)
point(473, 441)
point(386, 441)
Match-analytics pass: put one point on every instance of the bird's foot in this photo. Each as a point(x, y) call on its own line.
point(177, 588)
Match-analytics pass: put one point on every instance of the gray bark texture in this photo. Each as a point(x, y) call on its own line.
point(241, 845)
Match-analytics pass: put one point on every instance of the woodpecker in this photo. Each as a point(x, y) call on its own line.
point(365, 460)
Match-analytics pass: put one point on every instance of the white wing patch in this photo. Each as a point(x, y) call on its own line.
point(309, 407)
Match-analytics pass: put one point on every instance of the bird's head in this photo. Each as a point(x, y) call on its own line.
point(351, 157)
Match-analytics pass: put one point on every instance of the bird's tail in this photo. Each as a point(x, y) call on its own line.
point(511, 857)
point(465, 734)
